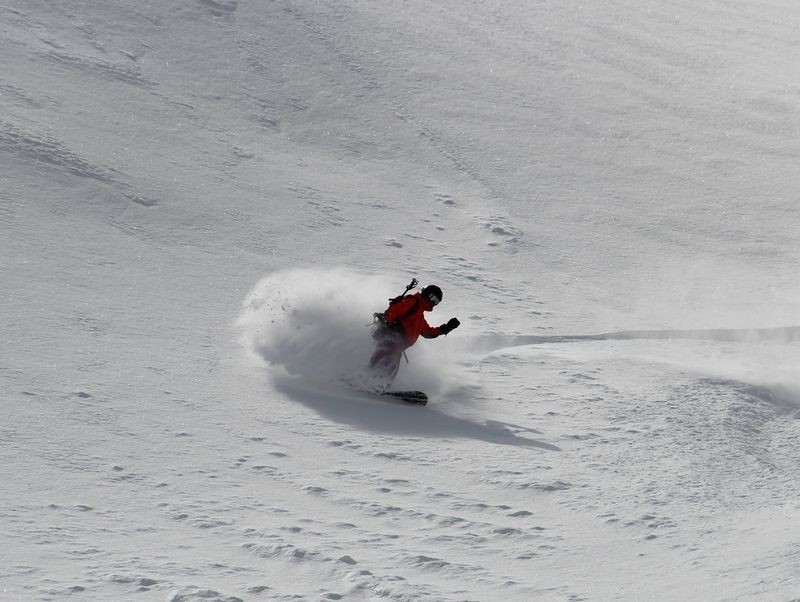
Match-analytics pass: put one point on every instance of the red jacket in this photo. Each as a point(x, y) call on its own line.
point(409, 314)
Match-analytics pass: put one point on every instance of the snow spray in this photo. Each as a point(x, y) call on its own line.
point(314, 324)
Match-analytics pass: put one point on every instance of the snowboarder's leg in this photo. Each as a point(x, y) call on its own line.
point(385, 361)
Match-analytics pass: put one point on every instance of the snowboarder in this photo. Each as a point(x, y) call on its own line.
point(401, 325)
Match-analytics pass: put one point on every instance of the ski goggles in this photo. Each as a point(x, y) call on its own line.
point(433, 299)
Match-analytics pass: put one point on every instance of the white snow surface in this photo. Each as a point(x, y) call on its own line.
point(203, 201)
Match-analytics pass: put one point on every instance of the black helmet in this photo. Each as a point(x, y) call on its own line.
point(433, 293)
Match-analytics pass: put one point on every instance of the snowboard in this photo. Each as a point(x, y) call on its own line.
point(415, 397)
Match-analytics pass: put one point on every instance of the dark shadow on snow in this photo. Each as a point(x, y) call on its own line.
point(386, 415)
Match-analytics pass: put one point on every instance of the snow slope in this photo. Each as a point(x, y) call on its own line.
point(203, 201)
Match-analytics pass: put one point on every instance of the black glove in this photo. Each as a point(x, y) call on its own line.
point(451, 325)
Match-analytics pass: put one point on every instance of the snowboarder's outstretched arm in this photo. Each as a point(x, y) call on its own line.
point(431, 332)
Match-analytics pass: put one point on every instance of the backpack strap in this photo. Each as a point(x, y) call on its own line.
point(408, 313)
point(381, 326)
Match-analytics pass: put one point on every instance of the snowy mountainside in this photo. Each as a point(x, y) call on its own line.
point(203, 202)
